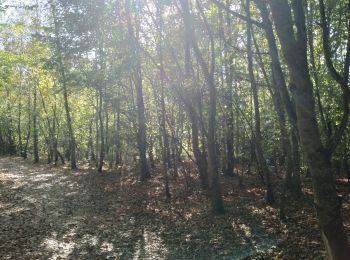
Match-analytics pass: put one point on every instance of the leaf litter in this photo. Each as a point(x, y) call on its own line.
point(48, 212)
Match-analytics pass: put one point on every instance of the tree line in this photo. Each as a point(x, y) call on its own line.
point(226, 85)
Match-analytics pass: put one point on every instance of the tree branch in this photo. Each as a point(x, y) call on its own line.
point(242, 17)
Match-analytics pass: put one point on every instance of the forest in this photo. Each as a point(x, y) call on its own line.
point(174, 129)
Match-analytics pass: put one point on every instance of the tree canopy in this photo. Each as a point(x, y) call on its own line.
point(230, 87)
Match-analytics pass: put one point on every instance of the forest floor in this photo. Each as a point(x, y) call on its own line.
point(47, 212)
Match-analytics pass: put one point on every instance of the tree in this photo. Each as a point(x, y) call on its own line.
point(63, 80)
point(257, 138)
point(137, 78)
point(294, 47)
point(217, 202)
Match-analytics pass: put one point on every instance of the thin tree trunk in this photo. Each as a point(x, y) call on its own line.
point(54, 136)
point(35, 127)
point(19, 127)
point(142, 139)
point(102, 137)
point(72, 143)
point(165, 146)
point(217, 202)
point(292, 153)
point(229, 69)
point(258, 138)
point(198, 155)
point(92, 157)
point(117, 137)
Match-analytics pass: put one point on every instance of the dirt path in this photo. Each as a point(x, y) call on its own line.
point(50, 213)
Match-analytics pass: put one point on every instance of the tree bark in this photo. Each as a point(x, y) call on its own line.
point(258, 138)
point(165, 146)
point(294, 48)
point(72, 143)
point(102, 136)
point(142, 139)
point(217, 202)
point(35, 127)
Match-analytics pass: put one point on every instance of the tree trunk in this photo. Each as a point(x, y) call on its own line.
point(72, 143)
point(102, 137)
point(19, 127)
point(165, 146)
point(35, 127)
point(141, 137)
point(283, 97)
point(258, 138)
point(198, 155)
point(328, 206)
point(217, 202)
point(229, 76)
point(117, 137)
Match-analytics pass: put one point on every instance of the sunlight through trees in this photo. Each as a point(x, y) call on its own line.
point(195, 93)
